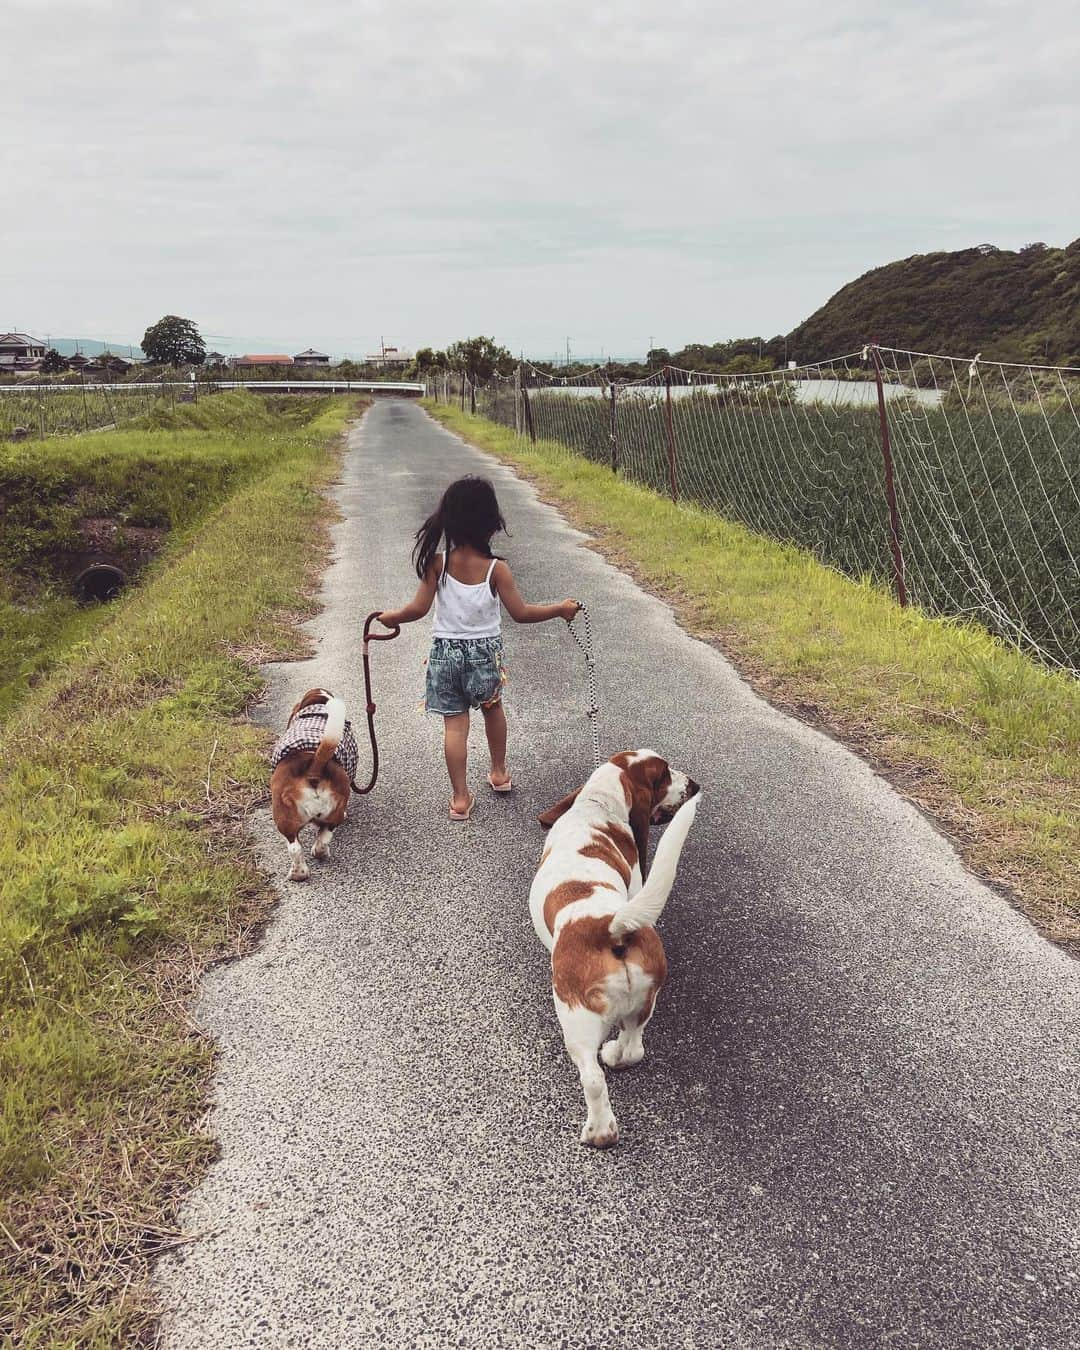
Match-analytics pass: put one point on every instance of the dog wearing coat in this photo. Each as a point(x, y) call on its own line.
point(595, 911)
point(312, 768)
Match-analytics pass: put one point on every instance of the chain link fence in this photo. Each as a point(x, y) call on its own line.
point(955, 481)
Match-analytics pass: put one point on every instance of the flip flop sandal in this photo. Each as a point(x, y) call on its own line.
point(508, 786)
point(463, 815)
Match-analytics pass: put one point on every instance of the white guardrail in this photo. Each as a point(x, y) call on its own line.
point(287, 386)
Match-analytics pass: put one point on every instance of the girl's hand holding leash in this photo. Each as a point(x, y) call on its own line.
point(568, 610)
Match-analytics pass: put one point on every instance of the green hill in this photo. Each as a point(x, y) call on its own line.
point(1010, 306)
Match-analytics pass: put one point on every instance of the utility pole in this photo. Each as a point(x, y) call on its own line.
point(568, 352)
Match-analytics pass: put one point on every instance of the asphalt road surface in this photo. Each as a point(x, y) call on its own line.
point(857, 1120)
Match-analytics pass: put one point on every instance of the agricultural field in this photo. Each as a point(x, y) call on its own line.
point(64, 410)
point(988, 497)
point(125, 773)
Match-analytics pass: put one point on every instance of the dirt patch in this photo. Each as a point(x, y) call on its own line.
point(104, 540)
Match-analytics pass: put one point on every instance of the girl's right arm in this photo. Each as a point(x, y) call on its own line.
point(421, 602)
point(518, 609)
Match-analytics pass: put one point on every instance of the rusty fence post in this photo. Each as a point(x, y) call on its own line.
point(527, 406)
point(614, 424)
point(670, 437)
point(890, 484)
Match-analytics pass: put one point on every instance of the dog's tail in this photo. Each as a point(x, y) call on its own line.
point(331, 738)
point(647, 906)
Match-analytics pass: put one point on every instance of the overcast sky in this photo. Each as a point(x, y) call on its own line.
point(288, 172)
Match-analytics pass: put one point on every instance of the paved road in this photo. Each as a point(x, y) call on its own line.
point(857, 1121)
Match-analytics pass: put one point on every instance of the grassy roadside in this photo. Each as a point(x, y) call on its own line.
point(121, 494)
point(124, 869)
point(976, 733)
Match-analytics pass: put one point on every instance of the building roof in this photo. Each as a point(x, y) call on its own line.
point(312, 352)
point(264, 359)
point(19, 340)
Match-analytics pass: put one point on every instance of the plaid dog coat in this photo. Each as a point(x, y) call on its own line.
point(305, 732)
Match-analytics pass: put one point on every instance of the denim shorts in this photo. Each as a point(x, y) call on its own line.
point(463, 673)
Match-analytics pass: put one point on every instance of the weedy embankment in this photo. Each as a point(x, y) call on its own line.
point(126, 773)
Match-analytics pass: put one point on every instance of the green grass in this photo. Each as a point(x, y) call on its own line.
point(123, 867)
point(161, 483)
point(984, 737)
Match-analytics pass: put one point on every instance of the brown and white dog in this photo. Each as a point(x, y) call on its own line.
point(595, 915)
point(309, 782)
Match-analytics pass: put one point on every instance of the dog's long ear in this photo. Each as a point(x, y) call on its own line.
point(551, 815)
point(641, 808)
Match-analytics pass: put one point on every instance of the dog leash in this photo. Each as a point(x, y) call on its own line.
point(369, 637)
point(593, 709)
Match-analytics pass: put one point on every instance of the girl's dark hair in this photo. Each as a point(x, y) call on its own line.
point(468, 514)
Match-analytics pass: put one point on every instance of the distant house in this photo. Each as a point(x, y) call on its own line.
point(215, 359)
point(106, 364)
point(254, 360)
point(20, 352)
point(311, 358)
point(389, 356)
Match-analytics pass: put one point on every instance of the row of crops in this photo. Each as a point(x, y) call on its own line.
point(988, 489)
point(67, 409)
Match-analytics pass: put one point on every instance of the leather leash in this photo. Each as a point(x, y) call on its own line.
point(370, 637)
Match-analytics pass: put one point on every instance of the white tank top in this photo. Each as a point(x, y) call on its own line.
point(466, 611)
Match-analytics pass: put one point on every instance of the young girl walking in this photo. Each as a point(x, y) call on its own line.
point(468, 584)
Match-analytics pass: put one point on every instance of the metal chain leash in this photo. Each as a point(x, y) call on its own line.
point(593, 709)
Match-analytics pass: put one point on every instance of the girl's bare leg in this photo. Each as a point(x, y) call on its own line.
point(456, 745)
point(495, 726)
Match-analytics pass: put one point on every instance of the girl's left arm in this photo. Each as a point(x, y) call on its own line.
point(417, 607)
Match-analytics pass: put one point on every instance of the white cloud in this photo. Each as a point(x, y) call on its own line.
point(614, 172)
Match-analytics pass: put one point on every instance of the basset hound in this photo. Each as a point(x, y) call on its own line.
point(594, 912)
point(313, 765)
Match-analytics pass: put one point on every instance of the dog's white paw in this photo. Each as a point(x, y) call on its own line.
point(299, 873)
point(611, 1054)
point(616, 1058)
point(321, 851)
point(603, 1134)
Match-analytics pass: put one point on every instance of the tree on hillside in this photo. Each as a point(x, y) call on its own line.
point(173, 341)
point(480, 358)
point(657, 357)
point(52, 363)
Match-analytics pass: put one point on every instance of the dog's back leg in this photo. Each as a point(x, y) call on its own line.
point(628, 1048)
point(584, 1032)
point(298, 868)
point(328, 821)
